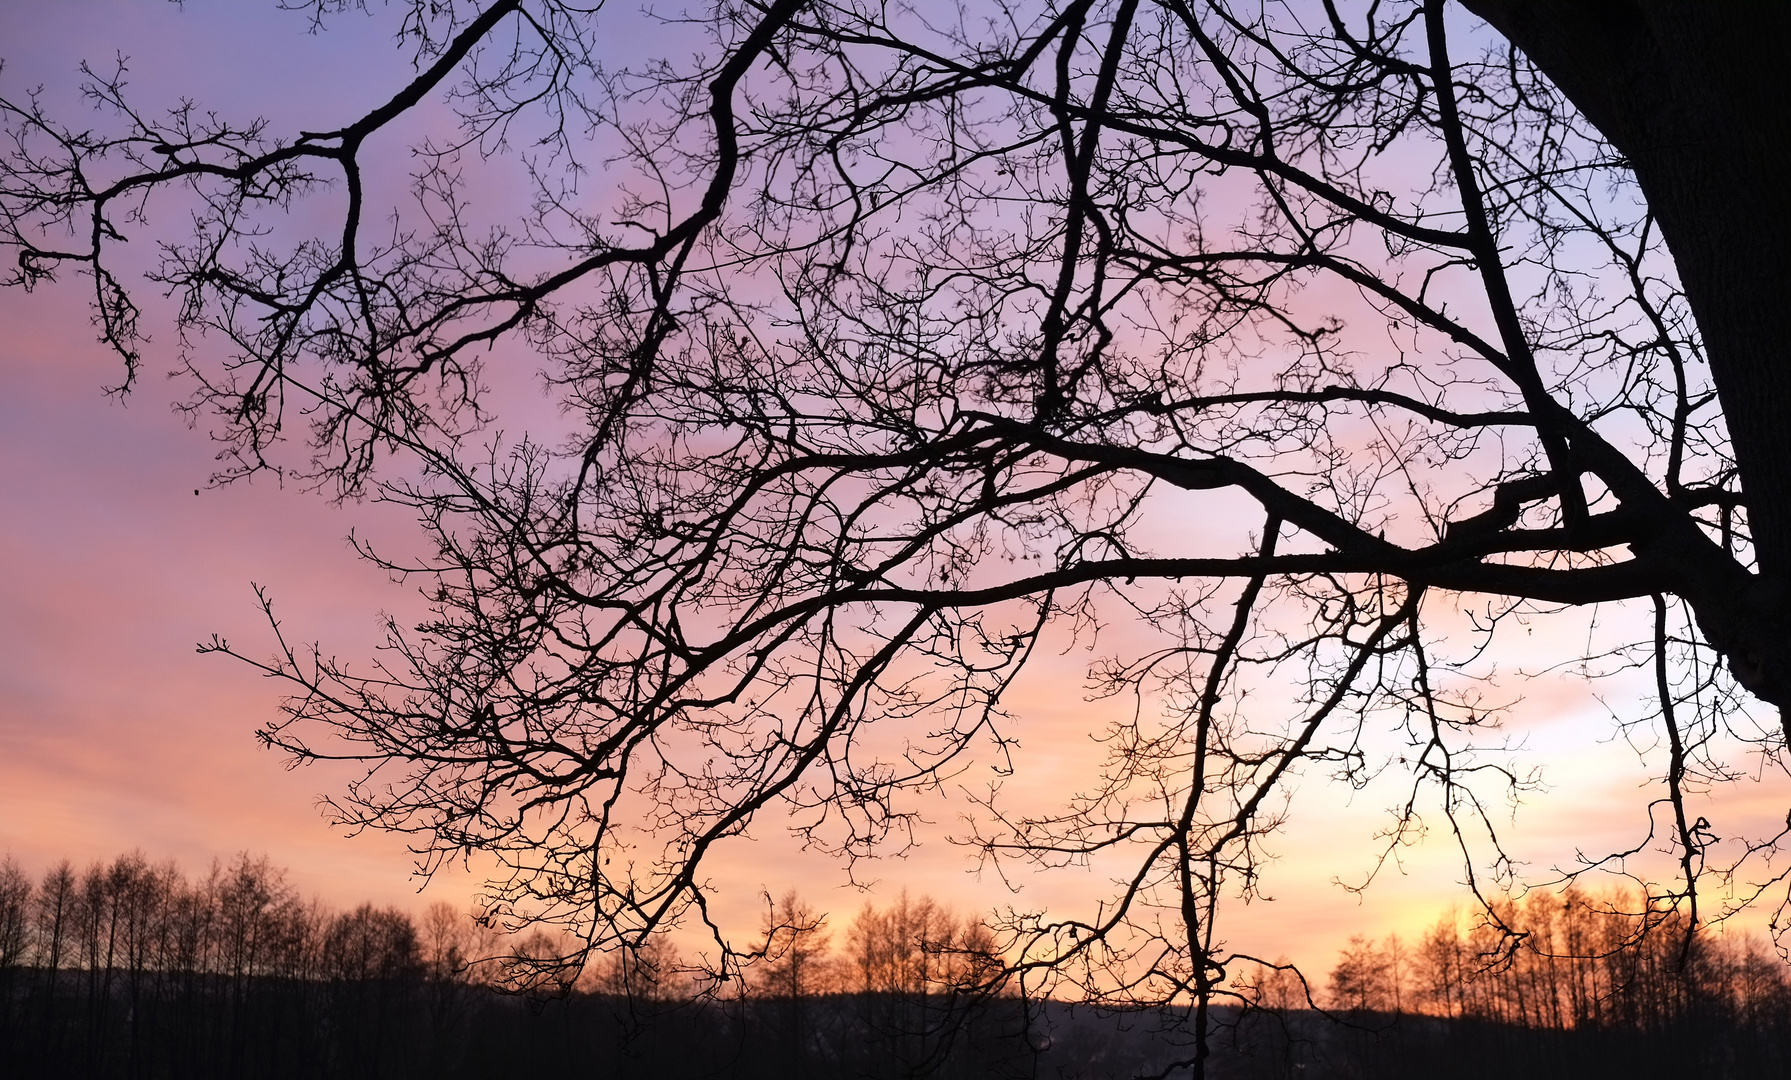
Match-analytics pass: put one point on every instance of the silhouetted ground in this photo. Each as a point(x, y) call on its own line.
point(277, 1029)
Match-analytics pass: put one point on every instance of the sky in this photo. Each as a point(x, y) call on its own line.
point(119, 557)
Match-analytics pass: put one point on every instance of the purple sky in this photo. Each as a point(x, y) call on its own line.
point(114, 734)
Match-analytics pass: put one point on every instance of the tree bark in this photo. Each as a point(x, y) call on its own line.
point(1697, 97)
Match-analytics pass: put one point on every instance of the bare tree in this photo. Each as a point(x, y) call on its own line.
point(1362, 981)
point(15, 914)
point(797, 967)
point(15, 946)
point(921, 972)
point(53, 913)
point(798, 962)
point(892, 342)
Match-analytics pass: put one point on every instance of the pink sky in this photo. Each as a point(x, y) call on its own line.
point(115, 735)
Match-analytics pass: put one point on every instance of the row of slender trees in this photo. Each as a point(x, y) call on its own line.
point(1559, 961)
point(130, 968)
point(133, 969)
point(1574, 983)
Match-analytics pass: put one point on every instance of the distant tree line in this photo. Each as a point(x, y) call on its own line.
point(133, 970)
point(1571, 983)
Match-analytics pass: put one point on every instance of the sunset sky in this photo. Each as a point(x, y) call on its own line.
point(115, 735)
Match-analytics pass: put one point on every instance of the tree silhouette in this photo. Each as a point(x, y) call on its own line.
point(797, 968)
point(796, 962)
point(893, 343)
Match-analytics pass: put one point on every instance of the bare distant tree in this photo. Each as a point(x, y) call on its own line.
point(15, 944)
point(920, 972)
point(798, 963)
point(53, 916)
point(1366, 978)
point(797, 967)
point(15, 914)
point(894, 341)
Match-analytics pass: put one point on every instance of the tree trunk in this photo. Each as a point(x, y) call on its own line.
point(1697, 97)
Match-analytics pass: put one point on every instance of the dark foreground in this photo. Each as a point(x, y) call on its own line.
point(100, 1025)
